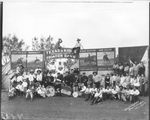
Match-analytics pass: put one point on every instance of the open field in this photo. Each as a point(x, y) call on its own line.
point(69, 108)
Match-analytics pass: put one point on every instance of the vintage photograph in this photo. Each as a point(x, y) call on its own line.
point(88, 59)
point(105, 58)
point(74, 59)
point(17, 59)
point(34, 61)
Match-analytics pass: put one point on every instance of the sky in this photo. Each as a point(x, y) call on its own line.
point(98, 25)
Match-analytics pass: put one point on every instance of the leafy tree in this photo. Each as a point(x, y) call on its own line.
point(42, 43)
point(11, 43)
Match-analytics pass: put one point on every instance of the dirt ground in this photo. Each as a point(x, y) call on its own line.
point(69, 108)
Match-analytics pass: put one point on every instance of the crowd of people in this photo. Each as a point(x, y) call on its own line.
point(126, 83)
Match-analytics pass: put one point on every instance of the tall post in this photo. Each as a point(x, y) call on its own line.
point(1, 36)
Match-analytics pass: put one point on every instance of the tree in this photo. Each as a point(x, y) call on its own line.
point(11, 43)
point(42, 44)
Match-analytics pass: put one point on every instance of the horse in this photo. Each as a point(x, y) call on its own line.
point(36, 60)
point(105, 58)
point(20, 60)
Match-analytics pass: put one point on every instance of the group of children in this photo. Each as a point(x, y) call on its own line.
point(97, 95)
point(28, 86)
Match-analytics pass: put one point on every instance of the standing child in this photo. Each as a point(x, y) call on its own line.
point(29, 92)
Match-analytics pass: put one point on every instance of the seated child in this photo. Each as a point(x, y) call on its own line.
point(114, 92)
point(97, 96)
point(11, 92)
point(88, 92)
point(29, 92)
point(41, 91)
point(93, 91)
point(134, 95)
point(83, 88)
point(19, 89)
point(107, 93)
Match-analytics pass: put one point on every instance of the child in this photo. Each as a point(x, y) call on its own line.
point(93, 91)
point(24, 84)
point(39, 76)
point(29, 92)
point(88, 92)
point(19, 89)
point(31, 77)
point(97, 96)
point(134, 95)
point(107, 93)
point(11, 92)
point(41, 91)
point(83, 88)
point(114, 92)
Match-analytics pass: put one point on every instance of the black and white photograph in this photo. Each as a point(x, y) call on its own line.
point(74, 59)
point(88, 59)
point(105, 58)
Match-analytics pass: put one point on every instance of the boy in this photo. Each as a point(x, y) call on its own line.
point(41, 91)
point(88, 92)
point(31, 77)
point(97, 96)
point(29, 92)
point(24, 85)
point(11, 92)
point(93, 91)
point(134, 95)
point(19, 89)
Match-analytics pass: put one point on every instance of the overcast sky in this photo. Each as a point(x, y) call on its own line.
point(98, 25)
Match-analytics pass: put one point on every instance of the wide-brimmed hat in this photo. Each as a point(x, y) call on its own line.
point(31, 71)
point(78, 39)
point(39, 70)
point(94, 72)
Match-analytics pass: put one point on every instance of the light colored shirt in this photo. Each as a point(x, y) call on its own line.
point(96, 78)
point(19, 87)
point(31, 77)
point(98, 94)
point(39, 77)
point(134, 92)
point(83, 89)
point(24, 84)
point(93, 90)
point(88, 90)
point(19, 78)
point(122, 80)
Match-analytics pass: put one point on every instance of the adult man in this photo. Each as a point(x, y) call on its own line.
point(84, 79)
point(96, 79)
point(77, 47)
point(66, 79)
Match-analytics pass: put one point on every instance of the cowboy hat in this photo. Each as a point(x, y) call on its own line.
point(78, 39)
point(94, 72)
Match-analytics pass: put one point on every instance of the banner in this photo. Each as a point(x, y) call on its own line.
point(97, 59)
point(18, 57)
point(29, 59)
point(35, 59)
point(59, 53)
